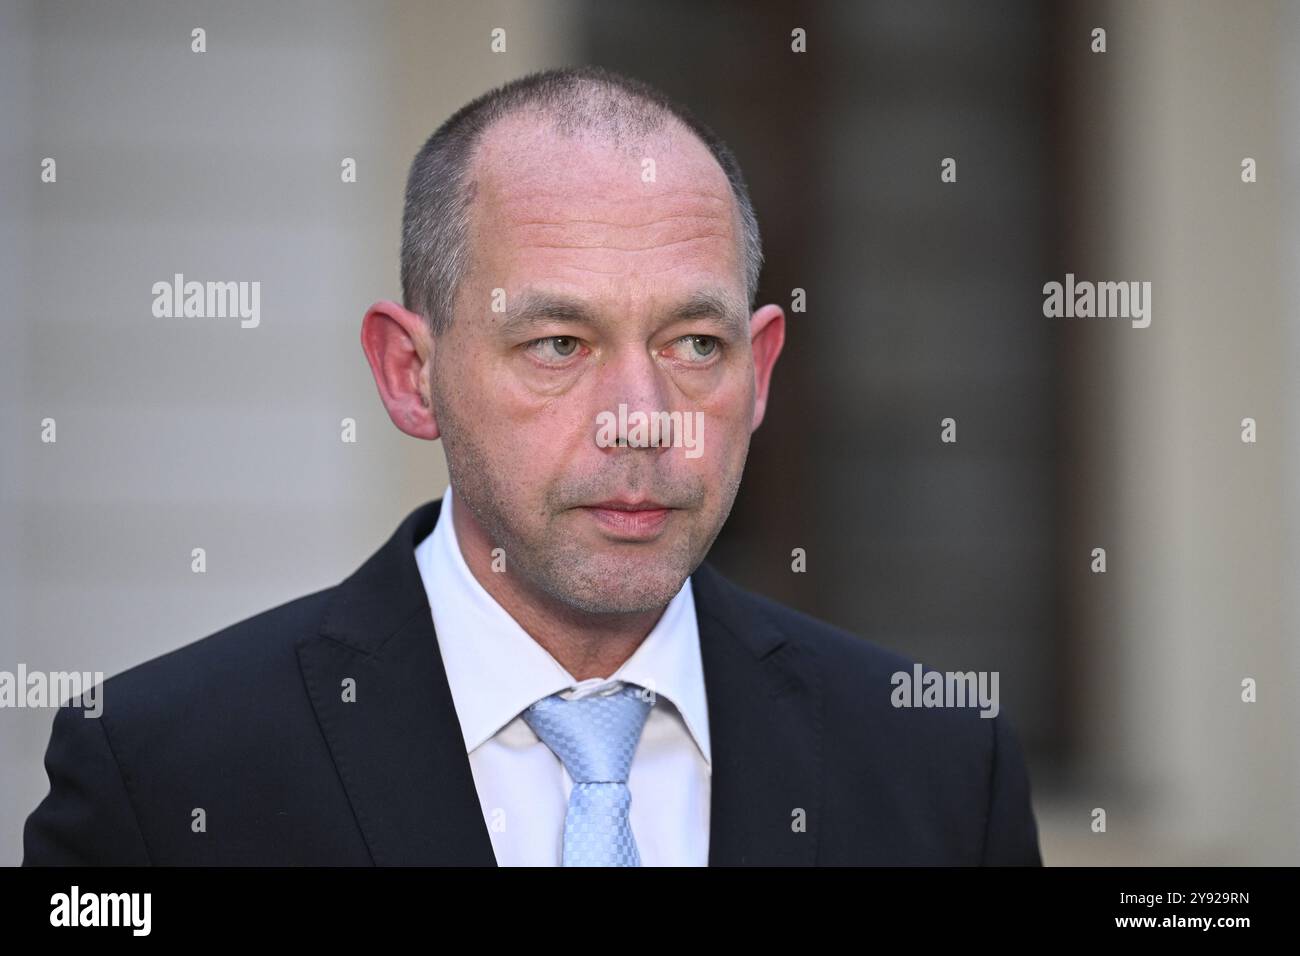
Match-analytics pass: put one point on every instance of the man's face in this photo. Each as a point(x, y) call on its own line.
point(518, 392)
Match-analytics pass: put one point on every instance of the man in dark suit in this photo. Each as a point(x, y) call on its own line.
point(541, 668)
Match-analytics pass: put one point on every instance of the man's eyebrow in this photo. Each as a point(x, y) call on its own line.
point(709, 303)
point(534, 308)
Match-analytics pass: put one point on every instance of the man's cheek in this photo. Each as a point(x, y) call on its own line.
point(722, 429)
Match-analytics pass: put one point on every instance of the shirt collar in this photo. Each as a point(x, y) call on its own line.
point(476, 634)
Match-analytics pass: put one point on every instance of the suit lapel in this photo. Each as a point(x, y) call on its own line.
point(398, 747)
point(765, 731)
point(401, 755)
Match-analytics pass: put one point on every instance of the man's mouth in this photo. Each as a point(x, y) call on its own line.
point(629, 504)
point(630, 519)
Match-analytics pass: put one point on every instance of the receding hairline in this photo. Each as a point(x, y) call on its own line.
point(672, 135)
point(578, 102)
point(557, 122)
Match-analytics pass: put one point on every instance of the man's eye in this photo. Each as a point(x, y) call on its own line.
point(697, 348)
point(561, 346)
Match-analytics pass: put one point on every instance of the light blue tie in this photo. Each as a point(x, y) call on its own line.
point(595, 738)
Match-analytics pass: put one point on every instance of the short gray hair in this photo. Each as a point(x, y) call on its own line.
point(439, 190)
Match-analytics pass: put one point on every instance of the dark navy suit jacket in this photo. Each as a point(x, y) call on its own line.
point(250, 725)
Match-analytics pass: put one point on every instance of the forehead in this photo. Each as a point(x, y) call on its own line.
point(582, 208)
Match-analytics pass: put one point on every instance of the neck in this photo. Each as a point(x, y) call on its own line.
point(584, 644)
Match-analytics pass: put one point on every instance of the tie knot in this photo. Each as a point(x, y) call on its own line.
point(594, 736)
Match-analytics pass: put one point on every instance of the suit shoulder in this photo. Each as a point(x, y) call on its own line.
point(861, 678)
point(954, 784)
point(249, 657)
point(844, 651)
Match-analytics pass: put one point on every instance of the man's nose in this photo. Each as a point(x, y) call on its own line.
point(631, 382)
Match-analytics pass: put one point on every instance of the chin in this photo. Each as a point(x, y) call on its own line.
point(622, 587)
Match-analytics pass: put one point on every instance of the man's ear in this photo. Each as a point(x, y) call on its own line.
point(399, 348)
point(766, 335)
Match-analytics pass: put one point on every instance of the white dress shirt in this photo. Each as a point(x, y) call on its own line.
point(496, 670)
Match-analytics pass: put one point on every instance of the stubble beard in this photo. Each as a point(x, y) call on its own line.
point(553, 561)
